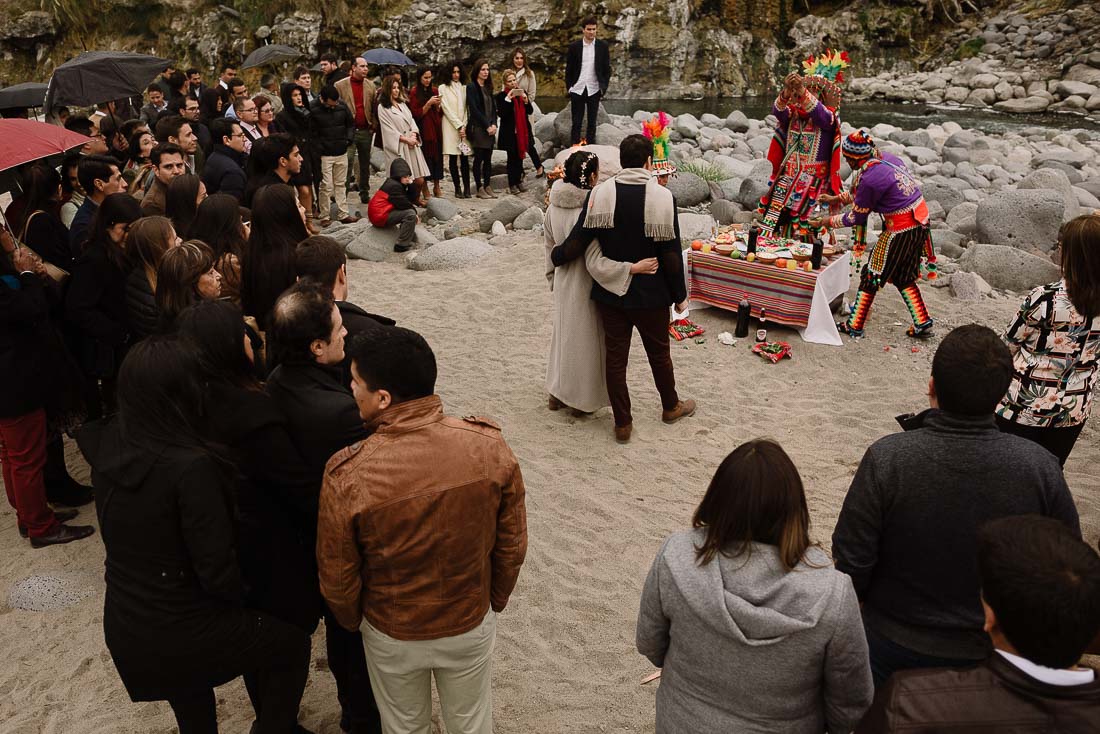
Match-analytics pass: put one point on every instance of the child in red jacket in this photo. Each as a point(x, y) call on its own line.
point(391, 205)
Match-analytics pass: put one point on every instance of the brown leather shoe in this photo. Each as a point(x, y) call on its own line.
point(63, 534)
point(61, 515)
point(351, 219)
point(622, 433)
point(682, 410)
point(554, 404)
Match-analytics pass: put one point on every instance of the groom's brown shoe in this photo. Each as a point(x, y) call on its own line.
point(683, 409)
point(622, 433)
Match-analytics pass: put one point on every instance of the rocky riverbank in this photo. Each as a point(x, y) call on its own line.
point(1020, 62)
point(997, 201)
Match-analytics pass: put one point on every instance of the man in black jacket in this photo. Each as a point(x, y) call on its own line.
point(307, 338)
point(635, 219)
point(907, 533)
point(333, 129)
point(392, 205)
point(587, 75)
point(224, 169)
point(1041, 600)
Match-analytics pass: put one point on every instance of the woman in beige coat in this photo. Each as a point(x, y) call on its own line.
point(455, 115)
point(400, 135)
point(575, 375)
point(525, 80)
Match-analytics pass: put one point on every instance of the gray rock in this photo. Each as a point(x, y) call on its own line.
point(564, 121)
point(455, 254)
point(737, 121)
point(695, 227)
point(947, 196)
point(378, 161)
point(755, 185)
point(505, 211)
point(1075, 177)
point(731, 188)
point(1029, 220)
point(498, 228)
point(760, 143)
point(425, 237)
point(1027, 105)
point(967, 286)
point(1050, 179)
point(1068, 88)
point(372, 243)
point(1086, 199)
point(608, 134)
point(961, 139)
point(442, 209)
point(724, 212)
point(947, 242)
point(963, 218)
point(345, 233)
point(687, 125)
point(529, 219)
point(543, 128)
point(922, 155)
point(1008, 268)
point(688, 189)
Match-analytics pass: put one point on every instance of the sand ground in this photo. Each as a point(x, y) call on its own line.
point(565, 659)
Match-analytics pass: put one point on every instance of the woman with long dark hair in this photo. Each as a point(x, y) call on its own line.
point(138, 171)
point(278, 225)
point(1055, 346)
point(425, 105)
point(186, 276)
point(525, 80)
point(95, 303)
point(294, 119)
point(482, 127)
point(452, 95)
point(212, 103)
point(181, 201)
point(400, 135)
point(175, 619)
point(218, 223)
point(753, 628)
point(39, 226)
point(148, 240)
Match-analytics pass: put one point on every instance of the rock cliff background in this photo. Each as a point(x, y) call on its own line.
point(672, 48)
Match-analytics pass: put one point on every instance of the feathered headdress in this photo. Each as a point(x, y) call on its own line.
point(825, 71)
point(656, 129)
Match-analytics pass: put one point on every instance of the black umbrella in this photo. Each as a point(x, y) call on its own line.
point(387, 56)
point(100, 76)
point(274, 53)
point(27, 94)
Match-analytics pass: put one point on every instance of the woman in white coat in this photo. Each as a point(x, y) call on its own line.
point(400, 134)
point(575, 375)
point(455, 115)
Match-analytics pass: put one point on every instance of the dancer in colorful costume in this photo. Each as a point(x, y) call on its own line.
point(805, 151)
point(657, 129)
point(885, 186)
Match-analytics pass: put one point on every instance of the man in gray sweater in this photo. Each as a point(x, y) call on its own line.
point(907, 533)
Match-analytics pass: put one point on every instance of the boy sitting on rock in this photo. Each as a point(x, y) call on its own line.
point(392, 205)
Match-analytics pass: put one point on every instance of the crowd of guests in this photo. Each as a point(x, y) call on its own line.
point(267, 455)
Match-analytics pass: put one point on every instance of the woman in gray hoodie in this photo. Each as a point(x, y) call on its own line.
point(754, 629)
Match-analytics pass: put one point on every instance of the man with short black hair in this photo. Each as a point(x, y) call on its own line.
point(634, 218)
point(587, 76)
point(224, 170)
point(307, 338)
point(227, 74)
point(304, 79)
point(188, 109)
point(177, 130)
point(330, 68)
point(358, 92)
point(908, 527)
point(97, 145)
point(322, 260)
point(168, 162)
point(163, 81)
point(100, 177)
point(278, 157)
point(333, 128)
point(1041, 603)
point(195, 86)
point(151, 111)
point(441, 499)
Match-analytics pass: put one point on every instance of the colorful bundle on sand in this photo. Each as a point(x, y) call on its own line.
point(657, 130)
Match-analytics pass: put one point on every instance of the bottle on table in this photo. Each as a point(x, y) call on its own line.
point(754, 233)
point(762, 332)
point(818, 251)
point(744, 313)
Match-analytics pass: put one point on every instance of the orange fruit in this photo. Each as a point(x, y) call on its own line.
point(696, 244)
point(781, 262)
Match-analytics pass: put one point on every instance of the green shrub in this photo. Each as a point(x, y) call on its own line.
point(713, 172)
point(969, 49)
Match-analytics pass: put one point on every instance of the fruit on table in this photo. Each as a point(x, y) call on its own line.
point(781, 262)
point(792, 265)
point(736, 254)
point(697, 244)
point(750, 256)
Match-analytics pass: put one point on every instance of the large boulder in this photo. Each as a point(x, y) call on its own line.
point(345, 233)
point(687, 125)
point(947, 196)
point(442, 209)
point(725, 212)
point(543, 128)
point(1026, 105)
point(372, 243)
point(1051, 179)
point(1008, 268)
point(755, 185)
point(968, 286)
point(688, 189)
point(1028, 220)
point(696, 227)
point(737, 121)
point(505, 211)
point(529, 219)
point(564, 121)
point(453, 254)
point(608, 134)
point(963, 218)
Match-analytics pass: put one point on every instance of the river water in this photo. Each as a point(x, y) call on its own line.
point(860, 114)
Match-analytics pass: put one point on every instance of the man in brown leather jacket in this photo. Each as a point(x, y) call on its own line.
point(422, 533)
point(1041, 595)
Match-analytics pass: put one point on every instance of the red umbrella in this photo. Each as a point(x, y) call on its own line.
point(22, 141)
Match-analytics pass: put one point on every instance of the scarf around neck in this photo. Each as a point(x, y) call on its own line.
point(660, 207)
point(522, 141)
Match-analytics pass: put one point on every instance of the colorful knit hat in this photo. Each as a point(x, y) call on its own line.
point(858, 144)
point(656, 129)
point(825, 71)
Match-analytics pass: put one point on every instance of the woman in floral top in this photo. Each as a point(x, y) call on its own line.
point(1055, 344)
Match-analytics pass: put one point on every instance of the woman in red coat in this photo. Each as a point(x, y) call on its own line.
point(425, 105)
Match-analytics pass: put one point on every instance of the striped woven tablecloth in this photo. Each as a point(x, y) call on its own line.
point(786, 295)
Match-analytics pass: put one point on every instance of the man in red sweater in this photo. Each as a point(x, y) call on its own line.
point(357, 92)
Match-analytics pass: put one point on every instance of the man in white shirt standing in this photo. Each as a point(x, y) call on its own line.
point(587, 74)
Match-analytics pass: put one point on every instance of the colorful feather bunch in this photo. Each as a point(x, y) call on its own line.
point(830, 65)
point(656, 128)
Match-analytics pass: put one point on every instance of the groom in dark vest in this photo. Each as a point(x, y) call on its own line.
point(634, 218)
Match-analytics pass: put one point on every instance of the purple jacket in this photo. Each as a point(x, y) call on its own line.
point(883, 185)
